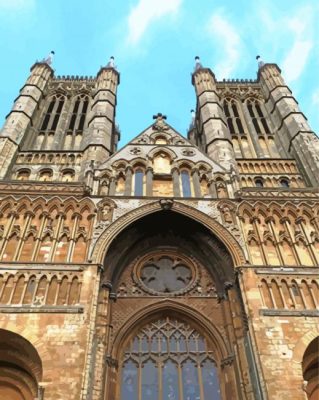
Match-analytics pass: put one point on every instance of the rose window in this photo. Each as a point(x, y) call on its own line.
point(166, 272)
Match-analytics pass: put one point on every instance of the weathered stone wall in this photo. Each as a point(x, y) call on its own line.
point(61, 335)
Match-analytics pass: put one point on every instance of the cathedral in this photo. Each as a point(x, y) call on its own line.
point(173, 268)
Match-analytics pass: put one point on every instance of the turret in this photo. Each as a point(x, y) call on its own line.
point(20, 117)
point(212, 132)
point(292, 126)
point(103, 133)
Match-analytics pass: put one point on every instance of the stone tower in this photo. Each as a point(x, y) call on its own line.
point(172, 268)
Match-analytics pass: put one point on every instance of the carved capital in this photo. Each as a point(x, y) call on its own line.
point(270, 218)
point(227, 361)
point(111, 362)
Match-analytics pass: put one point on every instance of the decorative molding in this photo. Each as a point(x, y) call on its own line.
point(289, 313)
point(23, 309)
point(103, 242)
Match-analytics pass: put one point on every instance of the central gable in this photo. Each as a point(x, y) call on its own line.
point(160, 162)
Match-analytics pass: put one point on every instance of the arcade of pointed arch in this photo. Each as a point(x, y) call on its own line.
point(43, 231)
point(39, 230)
point(161, 175)
point(284, 234)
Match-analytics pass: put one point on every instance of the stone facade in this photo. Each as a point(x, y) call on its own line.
point(209, 244)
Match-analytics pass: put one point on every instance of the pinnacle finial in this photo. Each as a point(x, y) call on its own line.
point(260, 62)
point(198, 64)
point(49, 58)
point(193, 117)
point(111, 63)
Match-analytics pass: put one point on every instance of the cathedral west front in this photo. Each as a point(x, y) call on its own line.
point(173, 268)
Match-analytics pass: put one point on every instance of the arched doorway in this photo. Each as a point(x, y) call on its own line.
point(168, 257)
point(20, 367)
point(168, 359)
point(310, 369)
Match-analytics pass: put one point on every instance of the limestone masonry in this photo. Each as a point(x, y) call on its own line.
point(173, 268)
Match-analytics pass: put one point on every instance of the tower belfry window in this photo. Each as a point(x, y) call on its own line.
point(234, 121)
point(76, 125)
point(52, 116)
point(78, 114)
point(258, 118)
point(239, 132)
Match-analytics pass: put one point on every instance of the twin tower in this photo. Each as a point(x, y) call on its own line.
point(234, 119)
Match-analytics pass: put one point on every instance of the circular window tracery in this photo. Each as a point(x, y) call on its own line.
point(165, 272)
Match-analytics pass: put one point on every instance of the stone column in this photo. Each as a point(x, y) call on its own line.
point(149, 181)
point(196, 183)
point(212, 187)
point(112, 186)
point(128, 181)
point(176, 186)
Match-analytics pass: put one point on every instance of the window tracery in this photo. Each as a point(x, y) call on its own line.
point(165, 272)
point(237, 128)
point(168, 359)
point(49, 124)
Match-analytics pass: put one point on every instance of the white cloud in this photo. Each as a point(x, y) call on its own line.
point(16, 5)
point(297, 57)
point(146, 12)
point(228, 39)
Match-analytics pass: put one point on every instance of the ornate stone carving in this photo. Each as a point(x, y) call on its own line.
point(166, 204)
point(136, 151)
point(188, 152)
point(160, 124)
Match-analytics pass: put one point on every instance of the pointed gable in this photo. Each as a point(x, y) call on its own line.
point(160, 136)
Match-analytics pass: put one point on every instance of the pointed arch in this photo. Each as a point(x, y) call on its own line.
point(101, 246)
point(169, 307)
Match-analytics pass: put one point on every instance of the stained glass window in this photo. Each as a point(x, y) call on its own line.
point(168, 360)
point(186, 184)
point(139, 175)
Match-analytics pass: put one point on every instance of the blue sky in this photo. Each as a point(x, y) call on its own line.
point(154, 43)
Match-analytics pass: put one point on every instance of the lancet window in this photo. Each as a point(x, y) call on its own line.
point(139, 182)
point(168, 359)
point(237, 127)
point(49, 124)
point(186, 183)
point(234, 121)
point(76, 125)
point(257, 116)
